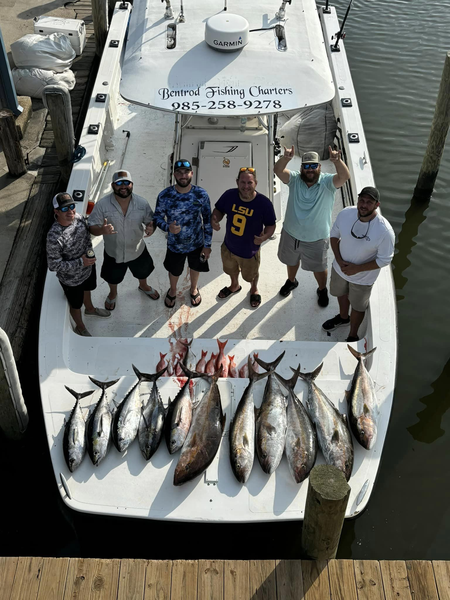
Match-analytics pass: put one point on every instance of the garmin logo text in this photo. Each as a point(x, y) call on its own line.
point(228, 44)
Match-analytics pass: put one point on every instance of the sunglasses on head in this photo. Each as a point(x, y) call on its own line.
point(123, 182)
point(310, 165)
point(66, 208)
point(180, 164)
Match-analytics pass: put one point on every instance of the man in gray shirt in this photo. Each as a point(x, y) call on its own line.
point(122, 217)
point(70, 255)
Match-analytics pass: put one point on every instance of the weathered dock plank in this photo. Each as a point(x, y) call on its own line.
point(184, 580)
point(289, 580)
point(316, 583)
point(210, 580)
point(26, 581)
point(263, 584)
point(421, 579)
point(442, 574)
point(236, 584)
point(132, 579)
point(342, 580)
point(369, 581)
point(53, 579)
point(92, 578)
point(395, 580)
point(8, 567)
point(158, 580)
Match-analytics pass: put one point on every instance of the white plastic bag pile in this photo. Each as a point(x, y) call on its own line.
point(42, 60)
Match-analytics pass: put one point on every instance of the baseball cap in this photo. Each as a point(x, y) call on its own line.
point(62, 199)
point(310, 157)
point(370, 191)
point(121, 176)
point(182, 164)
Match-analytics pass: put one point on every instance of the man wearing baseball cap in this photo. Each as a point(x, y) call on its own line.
point(124, 219)
point(306, 227)
point(183, 211)
point(363, 242)
point(68, 248)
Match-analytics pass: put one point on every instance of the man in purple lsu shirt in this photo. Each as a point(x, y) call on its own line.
point(250, 222)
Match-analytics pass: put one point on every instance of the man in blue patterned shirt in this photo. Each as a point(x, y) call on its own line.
point(183, 211)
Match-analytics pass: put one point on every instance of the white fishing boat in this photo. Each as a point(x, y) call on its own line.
point(164, 92)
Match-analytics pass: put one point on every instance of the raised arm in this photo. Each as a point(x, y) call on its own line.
point(280, 166)
point(342, 172)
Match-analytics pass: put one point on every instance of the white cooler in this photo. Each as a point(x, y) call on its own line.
point(74, 29)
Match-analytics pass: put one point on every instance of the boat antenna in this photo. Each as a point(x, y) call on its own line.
point(169, 12)
point(341, 35)
point(326, 10)
point(225, 5)
point(281, 14)
point(181, 18)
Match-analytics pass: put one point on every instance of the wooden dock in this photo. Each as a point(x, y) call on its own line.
point(27, 578)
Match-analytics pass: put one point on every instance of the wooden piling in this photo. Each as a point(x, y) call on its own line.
point(59, 106)
point(100, 20)
point(436, 142)
point(9, 139)
point(326, 502)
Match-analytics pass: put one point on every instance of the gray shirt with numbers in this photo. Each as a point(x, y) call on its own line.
point(127, 243)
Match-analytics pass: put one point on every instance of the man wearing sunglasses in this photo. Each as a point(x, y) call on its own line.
point(363, 242)
point(250, 222)
point(68, 243)
point(124, 219)
point(183, 211)
point(306, 227)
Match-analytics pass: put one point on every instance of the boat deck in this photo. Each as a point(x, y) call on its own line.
point(63, 578)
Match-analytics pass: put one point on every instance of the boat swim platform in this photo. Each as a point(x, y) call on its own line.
point(37, 578)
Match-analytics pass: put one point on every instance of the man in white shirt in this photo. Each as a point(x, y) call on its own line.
point(363, 242)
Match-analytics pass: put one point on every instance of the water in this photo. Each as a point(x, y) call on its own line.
point(396, 51)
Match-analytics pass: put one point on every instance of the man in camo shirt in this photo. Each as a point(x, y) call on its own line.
point(68, 241)
point(183, 211)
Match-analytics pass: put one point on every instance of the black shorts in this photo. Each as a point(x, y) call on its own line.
point(75, 293)
point(114, 272)
point(174, 262)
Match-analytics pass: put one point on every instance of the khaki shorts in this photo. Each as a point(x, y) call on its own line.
point(232, 264)
point(312, 256)
point(358, 295)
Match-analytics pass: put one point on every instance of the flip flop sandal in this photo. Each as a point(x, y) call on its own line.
point(111, 303)
point(171, 299)
point(194, 297)
point(150, 293)
point(255, 300)
point(226, 292)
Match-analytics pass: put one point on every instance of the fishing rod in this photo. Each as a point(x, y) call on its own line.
point(341, 35)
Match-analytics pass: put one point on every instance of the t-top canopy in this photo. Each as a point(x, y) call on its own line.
point(169, 66)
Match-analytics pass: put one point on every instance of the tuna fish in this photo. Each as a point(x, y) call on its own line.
point(152, 419)
point(179, 415)
point(201, 365)
point(332, 431)
point(362, 402)
point(242, 430)
point(205, 434)
point(301, 439)
point(271, 421)
point(222, 360)
point(211, 365)
point(74, 441)
point(99, 425)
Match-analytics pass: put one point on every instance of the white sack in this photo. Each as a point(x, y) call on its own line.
point(52, 52)
point(31, 82)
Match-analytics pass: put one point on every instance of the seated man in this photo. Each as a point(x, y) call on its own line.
point(250, 221)
point(68, 248)
point(363, 242)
